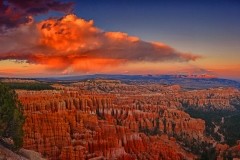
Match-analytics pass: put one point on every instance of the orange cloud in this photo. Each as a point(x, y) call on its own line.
point(72, 42)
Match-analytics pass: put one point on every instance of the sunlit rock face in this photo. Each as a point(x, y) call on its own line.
point(111, 120)
point(66, 124)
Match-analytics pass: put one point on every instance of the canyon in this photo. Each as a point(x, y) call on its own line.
point(107, 119)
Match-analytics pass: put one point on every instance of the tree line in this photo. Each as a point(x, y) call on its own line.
point(30, 86)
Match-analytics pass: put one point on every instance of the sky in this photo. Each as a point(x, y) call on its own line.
point(62, 38)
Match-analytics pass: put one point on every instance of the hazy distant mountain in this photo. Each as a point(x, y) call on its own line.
point(183, 80)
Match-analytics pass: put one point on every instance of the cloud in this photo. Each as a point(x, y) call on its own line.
point(72, 42)
point(14, 13)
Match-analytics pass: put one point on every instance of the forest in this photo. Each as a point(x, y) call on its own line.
point(30, 86)
point(230, 128)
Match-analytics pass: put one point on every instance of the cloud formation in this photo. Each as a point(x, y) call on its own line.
point(14, 13)
point(76, 43)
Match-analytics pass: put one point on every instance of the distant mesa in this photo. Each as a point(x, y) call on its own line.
point(196, 76)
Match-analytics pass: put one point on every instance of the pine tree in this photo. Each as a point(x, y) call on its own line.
point(11, 116)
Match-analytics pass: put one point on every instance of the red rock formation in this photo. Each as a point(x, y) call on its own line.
point(97, 120)
point(209, 99)
point(73, 124)
point(223, 151)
